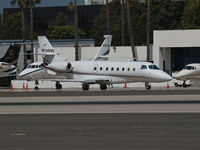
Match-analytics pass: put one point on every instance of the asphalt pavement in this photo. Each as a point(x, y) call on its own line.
point(170, 131)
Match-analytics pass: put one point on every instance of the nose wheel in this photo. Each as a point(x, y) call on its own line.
point(58, 85)
point(36, 85)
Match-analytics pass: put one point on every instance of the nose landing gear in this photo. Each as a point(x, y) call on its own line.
point(36, 85)
point(58, 85)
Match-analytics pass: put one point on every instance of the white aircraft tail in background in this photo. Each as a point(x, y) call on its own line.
point(9, 61)
point(104, 50)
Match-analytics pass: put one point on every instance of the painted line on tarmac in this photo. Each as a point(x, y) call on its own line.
point(101, 103)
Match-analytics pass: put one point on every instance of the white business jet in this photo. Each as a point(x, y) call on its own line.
point(103, 73)
point(9, 61)
point(190, 71)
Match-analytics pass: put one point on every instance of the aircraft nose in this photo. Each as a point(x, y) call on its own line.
point(163, 77)
point(167, 77)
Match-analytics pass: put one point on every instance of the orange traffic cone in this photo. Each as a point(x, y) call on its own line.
point(167, 85)
point(27, 86)
point(125, 86)
point(11, 88)
point(23, 86)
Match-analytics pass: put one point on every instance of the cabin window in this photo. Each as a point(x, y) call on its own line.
point(133, 69)
point(40, 66)
point(153, 67)
point(112, 69)
point(117, 68)
point(128, 69)
point(33, 66)
point(29, 66)
point(143, 67)
point(106, 68)
point(95, 68)
point(101, 68)
point(122, 69)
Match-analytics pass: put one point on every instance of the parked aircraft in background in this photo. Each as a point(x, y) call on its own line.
point(190, 71)
point(9, 61)
point(103, 73)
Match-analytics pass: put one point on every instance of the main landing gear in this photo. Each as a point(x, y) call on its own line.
point(58, 85)
point(147, 85)
point(36, 85)
point(103, 86)
point(85, 87)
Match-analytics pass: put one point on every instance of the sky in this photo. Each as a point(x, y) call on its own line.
point(6, 3)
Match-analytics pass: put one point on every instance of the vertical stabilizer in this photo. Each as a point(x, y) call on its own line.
point(104, 49)
point(12, 54)
point(46, 49)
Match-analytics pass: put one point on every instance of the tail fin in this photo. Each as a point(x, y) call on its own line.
point(46, 49)
point(12, 54)
point(104, 49)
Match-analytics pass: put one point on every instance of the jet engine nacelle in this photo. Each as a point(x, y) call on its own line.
point(60, 66)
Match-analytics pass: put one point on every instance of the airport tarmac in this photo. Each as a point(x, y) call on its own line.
point(101, 120)
point(170, 131)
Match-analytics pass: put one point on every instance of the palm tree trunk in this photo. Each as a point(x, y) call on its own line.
point(148, 30)
point(122, 23)
point(31, 27)
point(108, 18)
point(77, 56)
point(23, 31)
point(130, 29)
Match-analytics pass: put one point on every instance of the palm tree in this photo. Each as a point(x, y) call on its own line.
point(130, 29)
point(108, 17)
point(148, 30)
point(21, 5)
point(77, 56)
point(122, 22)
point(31, 4)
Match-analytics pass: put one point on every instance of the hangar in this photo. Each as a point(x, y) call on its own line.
point(173, 49)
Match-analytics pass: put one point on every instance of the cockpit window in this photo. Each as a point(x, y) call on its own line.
point(190, 68)
point(29, 66)
point(143, 67)
point(153, 67)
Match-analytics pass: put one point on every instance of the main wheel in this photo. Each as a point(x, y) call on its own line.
point(176, 84)
point(184, 84)
point(36, 88)
point(103, 87)
point(85, 87)
point(58, 85)
point(148, 87)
